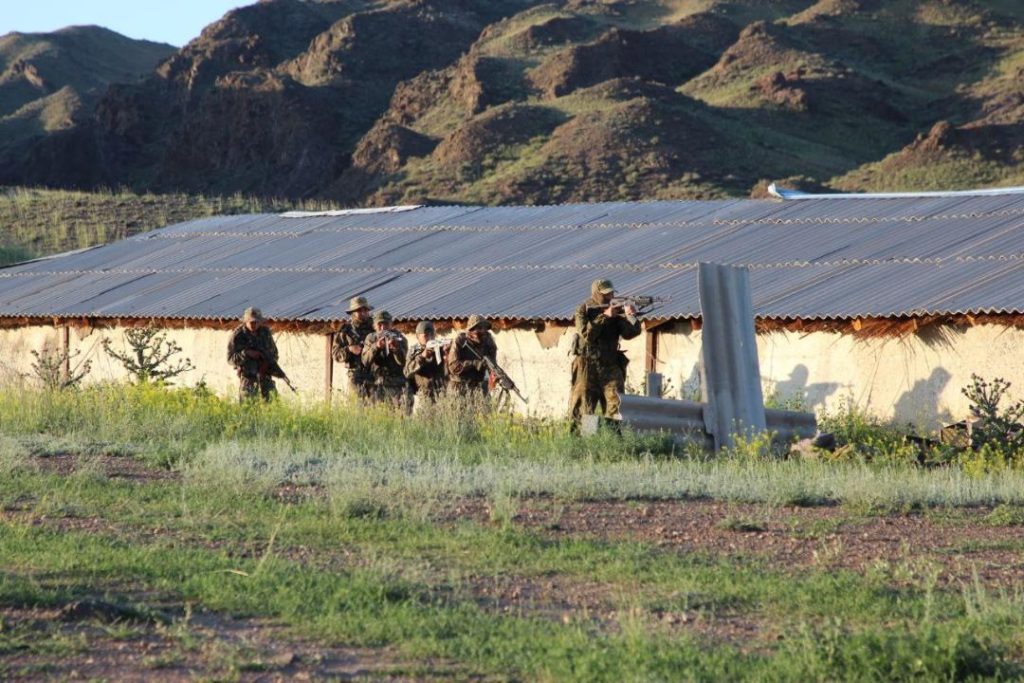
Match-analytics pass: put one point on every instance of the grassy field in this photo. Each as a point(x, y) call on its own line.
point(39, 221)
point(157, 534)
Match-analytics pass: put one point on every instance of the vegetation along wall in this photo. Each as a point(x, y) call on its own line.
point(916, 378)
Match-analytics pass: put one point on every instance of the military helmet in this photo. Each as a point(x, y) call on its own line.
point(478, 321)
point(424, 327)
point(358, 302)
point(253, 315)
point(381, 317)
point(602, 287)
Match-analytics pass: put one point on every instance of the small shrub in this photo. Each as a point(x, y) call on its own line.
point(49, 368)
point(998, 428)
point(149, 356)
point(1005, 515)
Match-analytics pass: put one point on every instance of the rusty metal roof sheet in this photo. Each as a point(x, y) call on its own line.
point(814, 258)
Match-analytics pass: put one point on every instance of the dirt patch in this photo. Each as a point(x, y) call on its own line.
point(791, 536)
point(111, 466)
point(42, 644)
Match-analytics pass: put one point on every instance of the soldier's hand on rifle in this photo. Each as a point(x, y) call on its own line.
point(630, 310)
point(254, 354)
point(611, 311)
point(355, 349)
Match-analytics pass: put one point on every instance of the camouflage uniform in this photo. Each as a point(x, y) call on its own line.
point(467, 373)
point(423, 370)
point(353, 334)
point(253, 383)
point(386, 367)
point(599, 367)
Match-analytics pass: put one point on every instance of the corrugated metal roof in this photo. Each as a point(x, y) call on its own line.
point(816, 258)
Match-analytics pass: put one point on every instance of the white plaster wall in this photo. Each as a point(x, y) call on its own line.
point(301, 356)
point(16, 345)
point(916, 379)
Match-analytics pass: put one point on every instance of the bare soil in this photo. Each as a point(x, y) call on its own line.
point(960, 543)
point(199, 646)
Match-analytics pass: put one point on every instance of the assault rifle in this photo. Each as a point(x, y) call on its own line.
point(391, 337)
point(642, 304)
point(270, 368)
point(501, 377)
point(437, 347)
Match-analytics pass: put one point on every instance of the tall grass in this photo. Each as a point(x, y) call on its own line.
point(452, 451)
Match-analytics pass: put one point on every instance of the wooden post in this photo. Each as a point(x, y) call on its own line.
point(65, 352)
point(651, 357)
point(328, 368)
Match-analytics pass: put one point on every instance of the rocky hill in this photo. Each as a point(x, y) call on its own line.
point(50, 84)
point(522, 101)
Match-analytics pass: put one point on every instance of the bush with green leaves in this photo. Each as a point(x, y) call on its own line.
point(998, 428)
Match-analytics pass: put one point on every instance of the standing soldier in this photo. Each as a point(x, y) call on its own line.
point(250, 350)
point(467, 370)
point(425, 366)
point(348, 346)
point(384, 353)
point(599, 367)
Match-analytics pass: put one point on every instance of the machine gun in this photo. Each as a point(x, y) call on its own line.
point(642, 304)
point(501, 377)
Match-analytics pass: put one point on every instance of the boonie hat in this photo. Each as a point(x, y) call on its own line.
point(358, 302)
point(381, 317)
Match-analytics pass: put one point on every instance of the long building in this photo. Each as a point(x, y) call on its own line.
point(886, 302)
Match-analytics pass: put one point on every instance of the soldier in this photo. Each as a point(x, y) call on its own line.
point(425, 367)
point(467, 371)
point(384, 353)
point(250, 349)
point(347, 347)
point(599, 367)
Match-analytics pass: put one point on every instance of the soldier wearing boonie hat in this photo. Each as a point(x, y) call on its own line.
point(425, 366)
point(384, 353)
point(599, 367)
point(250, 346)
point(347, 346)
point(466, 369)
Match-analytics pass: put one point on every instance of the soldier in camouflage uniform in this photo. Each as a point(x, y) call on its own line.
point(467, 372)
point(251, 346)
point(347, 347)
point(424, 369)
point(384, 352)
point(599, 367)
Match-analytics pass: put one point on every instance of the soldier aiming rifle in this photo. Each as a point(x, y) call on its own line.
point(384, 352)
point(598, 366)
point(425, 366)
